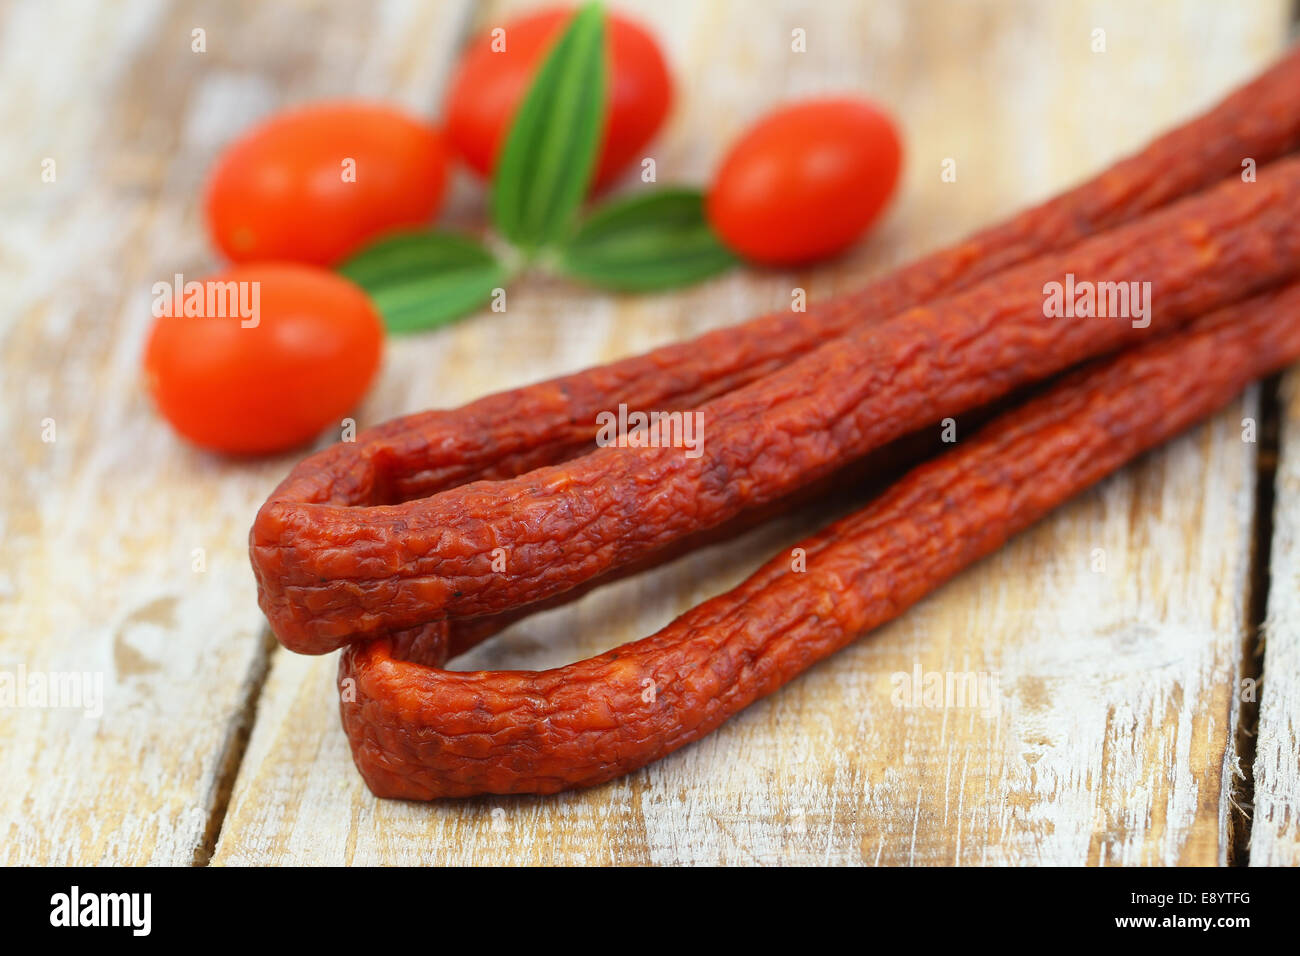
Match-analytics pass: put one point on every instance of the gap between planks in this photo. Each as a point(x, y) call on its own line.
point(236, 745)
point(1242, 789)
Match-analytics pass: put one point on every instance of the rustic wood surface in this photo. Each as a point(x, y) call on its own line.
point(1110, 641)
point(1275, 827)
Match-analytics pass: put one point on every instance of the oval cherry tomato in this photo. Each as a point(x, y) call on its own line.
point(806, 181)
point(489, 85)
point(314, 184)
point(286, 351)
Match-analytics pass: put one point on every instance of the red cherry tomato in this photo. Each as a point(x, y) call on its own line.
point(488, 87)
point(268, 371)
point(806, 181)
point(287, 190)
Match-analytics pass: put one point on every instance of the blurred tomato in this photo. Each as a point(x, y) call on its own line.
point(806, 181)
point(314, 184)
point(288, 351)
point(489, 85)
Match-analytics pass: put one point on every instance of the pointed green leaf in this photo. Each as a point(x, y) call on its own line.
point(425, 279)
point(657, 240)
point(550, 153)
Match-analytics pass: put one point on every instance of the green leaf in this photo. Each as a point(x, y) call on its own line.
point(550, 153)
point(653, 241)
point(425, 279)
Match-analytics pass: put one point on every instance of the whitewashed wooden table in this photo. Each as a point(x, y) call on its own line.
point(1116, 729)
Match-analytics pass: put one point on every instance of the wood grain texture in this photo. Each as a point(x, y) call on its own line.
point(1108, 640)
point(1275, 824)
point(100, 526)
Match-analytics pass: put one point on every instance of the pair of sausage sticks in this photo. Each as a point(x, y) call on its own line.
point(388, 546)
point(420, 732)
point(334, 573)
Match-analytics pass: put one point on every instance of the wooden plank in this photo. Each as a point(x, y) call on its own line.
point(1113, 727)
point(1275, 817)
point(98, 574)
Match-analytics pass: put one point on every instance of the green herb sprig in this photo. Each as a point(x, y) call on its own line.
point(653, 240)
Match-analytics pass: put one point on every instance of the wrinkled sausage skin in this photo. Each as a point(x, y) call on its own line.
point(331, 574)
point(419, 732)
point(330, 539)
point(508, 434)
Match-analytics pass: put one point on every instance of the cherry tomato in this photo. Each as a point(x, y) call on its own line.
point(267, 371)
point(314, 184)
point(489, 85)
point(806, 181)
